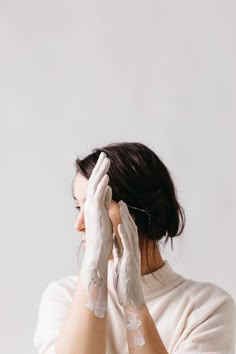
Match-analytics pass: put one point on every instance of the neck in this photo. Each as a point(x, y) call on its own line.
point(155, 261)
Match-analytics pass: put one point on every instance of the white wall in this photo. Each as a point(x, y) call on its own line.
point(75, 75)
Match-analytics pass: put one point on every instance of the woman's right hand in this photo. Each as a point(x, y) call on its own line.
point(98, 225)
point(127, 262)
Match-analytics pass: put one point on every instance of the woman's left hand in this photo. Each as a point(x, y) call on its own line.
point(127, 262)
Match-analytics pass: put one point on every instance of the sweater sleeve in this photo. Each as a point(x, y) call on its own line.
point(215, 334)
point(51, 317)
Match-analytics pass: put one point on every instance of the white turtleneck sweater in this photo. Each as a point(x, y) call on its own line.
point(191, 316)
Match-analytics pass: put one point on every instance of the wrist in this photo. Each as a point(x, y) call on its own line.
point(96, 290)
point(135, 300)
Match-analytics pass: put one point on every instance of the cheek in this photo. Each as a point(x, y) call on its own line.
point(115, 216)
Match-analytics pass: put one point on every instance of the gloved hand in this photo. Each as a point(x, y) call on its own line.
point(98, 228)
point(127, 262)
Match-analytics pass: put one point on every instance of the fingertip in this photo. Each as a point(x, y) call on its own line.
point(107, 159)
point(120, 203)
point(101, 157)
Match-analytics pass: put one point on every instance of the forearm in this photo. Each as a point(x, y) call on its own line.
point(145, 333)
point(83, 331)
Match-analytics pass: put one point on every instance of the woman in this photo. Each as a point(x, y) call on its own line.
point(126, 298)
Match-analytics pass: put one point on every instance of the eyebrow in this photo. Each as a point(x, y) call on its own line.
point(77, 199)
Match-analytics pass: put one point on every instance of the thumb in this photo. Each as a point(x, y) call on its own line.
point(107, 197)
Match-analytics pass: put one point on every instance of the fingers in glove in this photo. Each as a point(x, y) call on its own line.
point(107, 197)
point(130, 217)
point(101, 172)
point(121, 203)
point(95, 179)
point(124, 218)
point(130, 226)
point(100, 191)
point(125, 240)
point(99, 162)
point(129, 230)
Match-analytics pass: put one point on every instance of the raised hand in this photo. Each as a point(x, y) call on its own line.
point(127, 262)
point(98, 228)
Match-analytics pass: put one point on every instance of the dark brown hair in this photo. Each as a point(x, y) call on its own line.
point(139, 178)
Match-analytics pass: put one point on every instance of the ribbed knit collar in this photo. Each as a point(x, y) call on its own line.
point(160, 281)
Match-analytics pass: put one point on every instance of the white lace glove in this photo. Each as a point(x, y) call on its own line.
point(126, 273)
point(99, 229)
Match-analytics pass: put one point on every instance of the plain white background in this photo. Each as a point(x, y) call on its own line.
point(75, 75)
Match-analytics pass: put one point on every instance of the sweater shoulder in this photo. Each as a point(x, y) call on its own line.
point(61, 289)
point(208, 297)
point(203, 289)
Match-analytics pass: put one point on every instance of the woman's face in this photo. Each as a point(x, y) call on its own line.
point(80, 192)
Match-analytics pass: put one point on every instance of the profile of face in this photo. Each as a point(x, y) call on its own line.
point(80, 192)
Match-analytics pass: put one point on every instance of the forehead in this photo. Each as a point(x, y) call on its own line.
point(80, 187)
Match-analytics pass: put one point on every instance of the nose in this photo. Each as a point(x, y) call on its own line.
point(79, 224)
